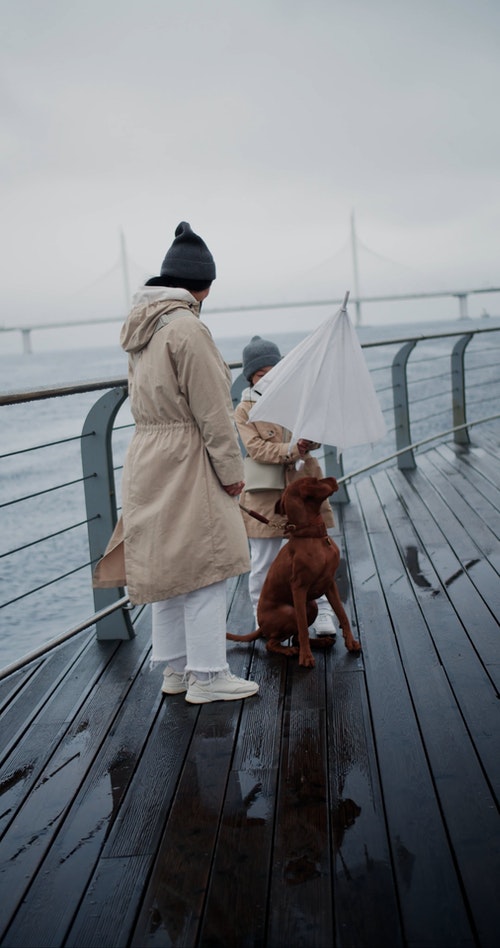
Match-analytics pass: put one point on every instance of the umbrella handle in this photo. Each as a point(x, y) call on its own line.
point(346, 297)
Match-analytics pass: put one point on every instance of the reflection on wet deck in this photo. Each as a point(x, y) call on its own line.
point(352, 804)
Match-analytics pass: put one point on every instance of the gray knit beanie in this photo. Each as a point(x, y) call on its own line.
point(188, 258)
point(258, 354)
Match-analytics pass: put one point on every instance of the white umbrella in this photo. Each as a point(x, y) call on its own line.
point(322, 390)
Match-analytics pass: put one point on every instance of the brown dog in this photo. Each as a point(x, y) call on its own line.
point(303, 570)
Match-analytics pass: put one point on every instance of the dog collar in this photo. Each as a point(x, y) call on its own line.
point(315, 530)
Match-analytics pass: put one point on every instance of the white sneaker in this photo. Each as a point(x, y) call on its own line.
point(173, 682)
point(222, 687)
point(324, 625)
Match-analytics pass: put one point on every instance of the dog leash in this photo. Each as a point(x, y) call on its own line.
point(289, 529)
point(285, 528)
point(253, 513)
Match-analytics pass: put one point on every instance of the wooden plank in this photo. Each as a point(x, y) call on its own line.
point(473, 502)
point(14, 682)
point(32, 748)
point(488, 438)
point(244, 845)
point(428, 888)
point(175, 896)
point(110, 904)
point(464, 795)
point(470, 681)
point(481, 456)
point(79, 844)
point(38, 688)
point(174, 899)
point(363, 873)
point(46, 808)
point(453, 561)
point(475, 468)
point(169, 745)
point(465, 506)
point(300, 897)
point(127, 857)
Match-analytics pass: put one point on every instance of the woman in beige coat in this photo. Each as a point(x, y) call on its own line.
point(180, 535)
point(270, 444)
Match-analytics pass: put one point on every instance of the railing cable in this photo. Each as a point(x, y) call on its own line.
point(48, 444)
point(47, 490)
point(49, 536)
point(45, 585)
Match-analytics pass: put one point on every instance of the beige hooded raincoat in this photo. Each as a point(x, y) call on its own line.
point(179, 529)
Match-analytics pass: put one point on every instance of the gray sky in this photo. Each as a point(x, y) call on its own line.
point(264, 124)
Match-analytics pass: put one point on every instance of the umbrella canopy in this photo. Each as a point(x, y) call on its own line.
point(322, 390)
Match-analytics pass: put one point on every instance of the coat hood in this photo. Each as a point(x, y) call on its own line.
point(148, 304)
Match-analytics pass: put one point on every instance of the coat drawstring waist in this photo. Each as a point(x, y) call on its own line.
point(161, 425)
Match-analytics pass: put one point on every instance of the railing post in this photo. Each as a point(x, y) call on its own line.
point(100, 500)
point(334, 467)
point(458, 388)
point(406, 461)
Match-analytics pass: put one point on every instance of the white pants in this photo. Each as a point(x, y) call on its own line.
point(189, 631)
point(263, 550)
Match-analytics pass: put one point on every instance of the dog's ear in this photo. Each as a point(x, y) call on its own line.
point(333, 483)
point(295, 507)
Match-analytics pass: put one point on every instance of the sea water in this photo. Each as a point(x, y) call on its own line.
point(40, 605)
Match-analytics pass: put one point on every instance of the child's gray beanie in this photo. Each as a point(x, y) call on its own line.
point(258, 354)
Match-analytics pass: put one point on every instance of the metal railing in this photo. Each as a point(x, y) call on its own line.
point(407, 388)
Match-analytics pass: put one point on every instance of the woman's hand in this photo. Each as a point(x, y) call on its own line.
point(234, 489)
point(304, 446)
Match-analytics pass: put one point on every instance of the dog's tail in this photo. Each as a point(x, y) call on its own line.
point(250, 637)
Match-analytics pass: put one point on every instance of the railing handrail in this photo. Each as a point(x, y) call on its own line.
point(80, 388)
point(30, 395)
point(63, 637)
point(424, 337)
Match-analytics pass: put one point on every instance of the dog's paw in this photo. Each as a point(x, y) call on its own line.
point(307, 661)
point(352, 645)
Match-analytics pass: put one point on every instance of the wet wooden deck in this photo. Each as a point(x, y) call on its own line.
point(355, 804)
